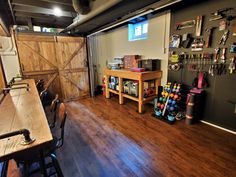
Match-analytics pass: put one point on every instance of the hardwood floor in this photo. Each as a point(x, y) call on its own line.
point(105, 139)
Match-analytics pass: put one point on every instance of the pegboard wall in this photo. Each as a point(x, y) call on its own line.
point(221, 97)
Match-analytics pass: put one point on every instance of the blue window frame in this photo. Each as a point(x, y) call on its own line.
point(138, 31)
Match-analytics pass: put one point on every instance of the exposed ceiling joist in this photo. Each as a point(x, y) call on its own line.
point(42, 4)
point(63, 2)
point(41, 16)
point(41, 10)
point(51, 24)
point(52, 20)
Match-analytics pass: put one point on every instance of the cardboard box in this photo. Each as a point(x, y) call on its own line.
point(131, 61)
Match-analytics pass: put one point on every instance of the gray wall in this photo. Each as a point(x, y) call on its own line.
point(222, 88)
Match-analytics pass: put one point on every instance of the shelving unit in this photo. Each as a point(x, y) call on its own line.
point(140, 77)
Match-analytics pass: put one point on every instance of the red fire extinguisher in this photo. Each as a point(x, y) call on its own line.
point(103, 87)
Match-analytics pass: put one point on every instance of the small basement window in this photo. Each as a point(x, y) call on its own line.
point(138, 31)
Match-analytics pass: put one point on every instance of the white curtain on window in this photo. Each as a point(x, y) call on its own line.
point(93, 62)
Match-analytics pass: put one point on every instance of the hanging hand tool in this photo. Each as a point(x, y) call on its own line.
point(232, 65)
point(221, 69)
point(224, 38)
point(229, 19)
point(219, 14)
point(223, 57)
point(211, 70)
point(217, 55)
point(198, 26)
point(209, 37)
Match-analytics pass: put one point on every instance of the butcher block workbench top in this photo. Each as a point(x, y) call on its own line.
point(22, 109)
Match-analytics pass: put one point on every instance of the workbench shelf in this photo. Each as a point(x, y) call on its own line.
point(141, 77)
point(114, 91)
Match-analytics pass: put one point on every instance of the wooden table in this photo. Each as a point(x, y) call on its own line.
point(140, 77)
point(22, 109)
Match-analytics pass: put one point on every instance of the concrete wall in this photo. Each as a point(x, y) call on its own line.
point(115, 44)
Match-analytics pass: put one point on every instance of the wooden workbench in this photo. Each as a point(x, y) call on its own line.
point(22, 109)
point(140, 77)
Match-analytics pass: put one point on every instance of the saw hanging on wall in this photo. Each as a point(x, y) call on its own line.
point(185, 24)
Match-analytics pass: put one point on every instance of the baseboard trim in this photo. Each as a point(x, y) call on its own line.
point(216, 126)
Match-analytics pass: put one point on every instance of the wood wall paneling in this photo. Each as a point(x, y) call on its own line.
point(62, 61)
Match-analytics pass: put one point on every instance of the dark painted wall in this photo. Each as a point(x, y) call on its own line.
point(222, 88)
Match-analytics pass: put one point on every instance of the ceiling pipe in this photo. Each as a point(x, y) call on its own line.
point(148, 11)
point(81, 6)
point(93, 13)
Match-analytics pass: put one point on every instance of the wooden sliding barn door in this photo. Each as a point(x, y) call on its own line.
point(60, 61)
point(73, 68)
point(37, 56)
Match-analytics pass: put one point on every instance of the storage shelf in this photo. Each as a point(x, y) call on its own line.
point(150, 98)
point(113, 91)
point(140, 77)
point(130, 97)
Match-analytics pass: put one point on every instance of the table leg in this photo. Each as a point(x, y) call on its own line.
point(140, 95)
point(106, 86)
point(157, 83)
point(121, 98)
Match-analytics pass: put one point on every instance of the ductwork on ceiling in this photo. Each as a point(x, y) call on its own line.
point(106, 14)
point(95, 7)
point(81, 6)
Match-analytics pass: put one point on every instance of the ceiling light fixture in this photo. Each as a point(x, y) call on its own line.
point(57, 11)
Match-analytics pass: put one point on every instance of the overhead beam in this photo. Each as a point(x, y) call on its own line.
point(42, 16)
point(43, 23)
point(42, 4)
point(63, 2)
point(40, 10)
